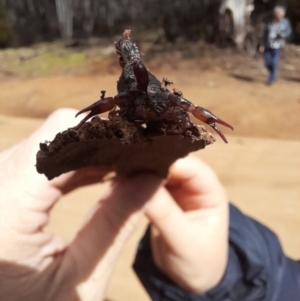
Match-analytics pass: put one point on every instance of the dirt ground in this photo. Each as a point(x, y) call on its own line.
point(260, 166)
point(254, 109)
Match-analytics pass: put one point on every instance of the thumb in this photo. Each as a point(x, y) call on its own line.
point(60, 120)
point(168, 218)
point(21, 158)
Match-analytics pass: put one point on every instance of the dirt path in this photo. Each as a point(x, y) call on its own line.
point(255, 110)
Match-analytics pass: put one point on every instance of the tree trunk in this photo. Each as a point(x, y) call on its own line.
point(64, 10)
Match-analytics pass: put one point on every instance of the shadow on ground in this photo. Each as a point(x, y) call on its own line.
point(246, 78)
point(292, 79)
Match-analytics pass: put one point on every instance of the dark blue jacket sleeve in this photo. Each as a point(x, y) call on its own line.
point(257, 269)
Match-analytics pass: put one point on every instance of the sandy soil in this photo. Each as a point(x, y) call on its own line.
point(260, 166)
point(254, 109)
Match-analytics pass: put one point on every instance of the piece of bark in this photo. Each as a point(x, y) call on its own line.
point(125, 147)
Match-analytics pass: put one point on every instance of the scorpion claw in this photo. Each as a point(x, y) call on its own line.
point(98, 107)
point(218, 120)
point(215, 127)
point(204, 116)
point(210, 119)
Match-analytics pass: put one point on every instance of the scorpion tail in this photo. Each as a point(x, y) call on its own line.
point(141, 74)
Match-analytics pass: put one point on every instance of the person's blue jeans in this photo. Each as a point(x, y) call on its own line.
point(272, 57)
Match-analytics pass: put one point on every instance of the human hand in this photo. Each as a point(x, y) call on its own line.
point(36, 265)
point(261, 49)
point(189, 226)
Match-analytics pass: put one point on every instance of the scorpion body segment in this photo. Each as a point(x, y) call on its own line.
point(143, 98)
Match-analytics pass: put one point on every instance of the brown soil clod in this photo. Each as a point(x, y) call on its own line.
point(127, 148)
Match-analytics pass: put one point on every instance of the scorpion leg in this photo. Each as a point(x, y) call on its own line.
point(205, 116)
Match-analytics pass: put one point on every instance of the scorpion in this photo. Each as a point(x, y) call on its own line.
point(142, 98)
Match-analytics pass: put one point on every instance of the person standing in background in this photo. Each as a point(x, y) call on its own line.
point(273, 40)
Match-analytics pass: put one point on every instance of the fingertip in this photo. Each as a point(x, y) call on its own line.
point(62, 116)
point(189, 168)
point(62, 113)
point(58, 121)
point(134, 192)
point(190, 162)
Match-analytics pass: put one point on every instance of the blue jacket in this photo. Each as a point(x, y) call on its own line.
point(275, 34)
point(257, 269)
